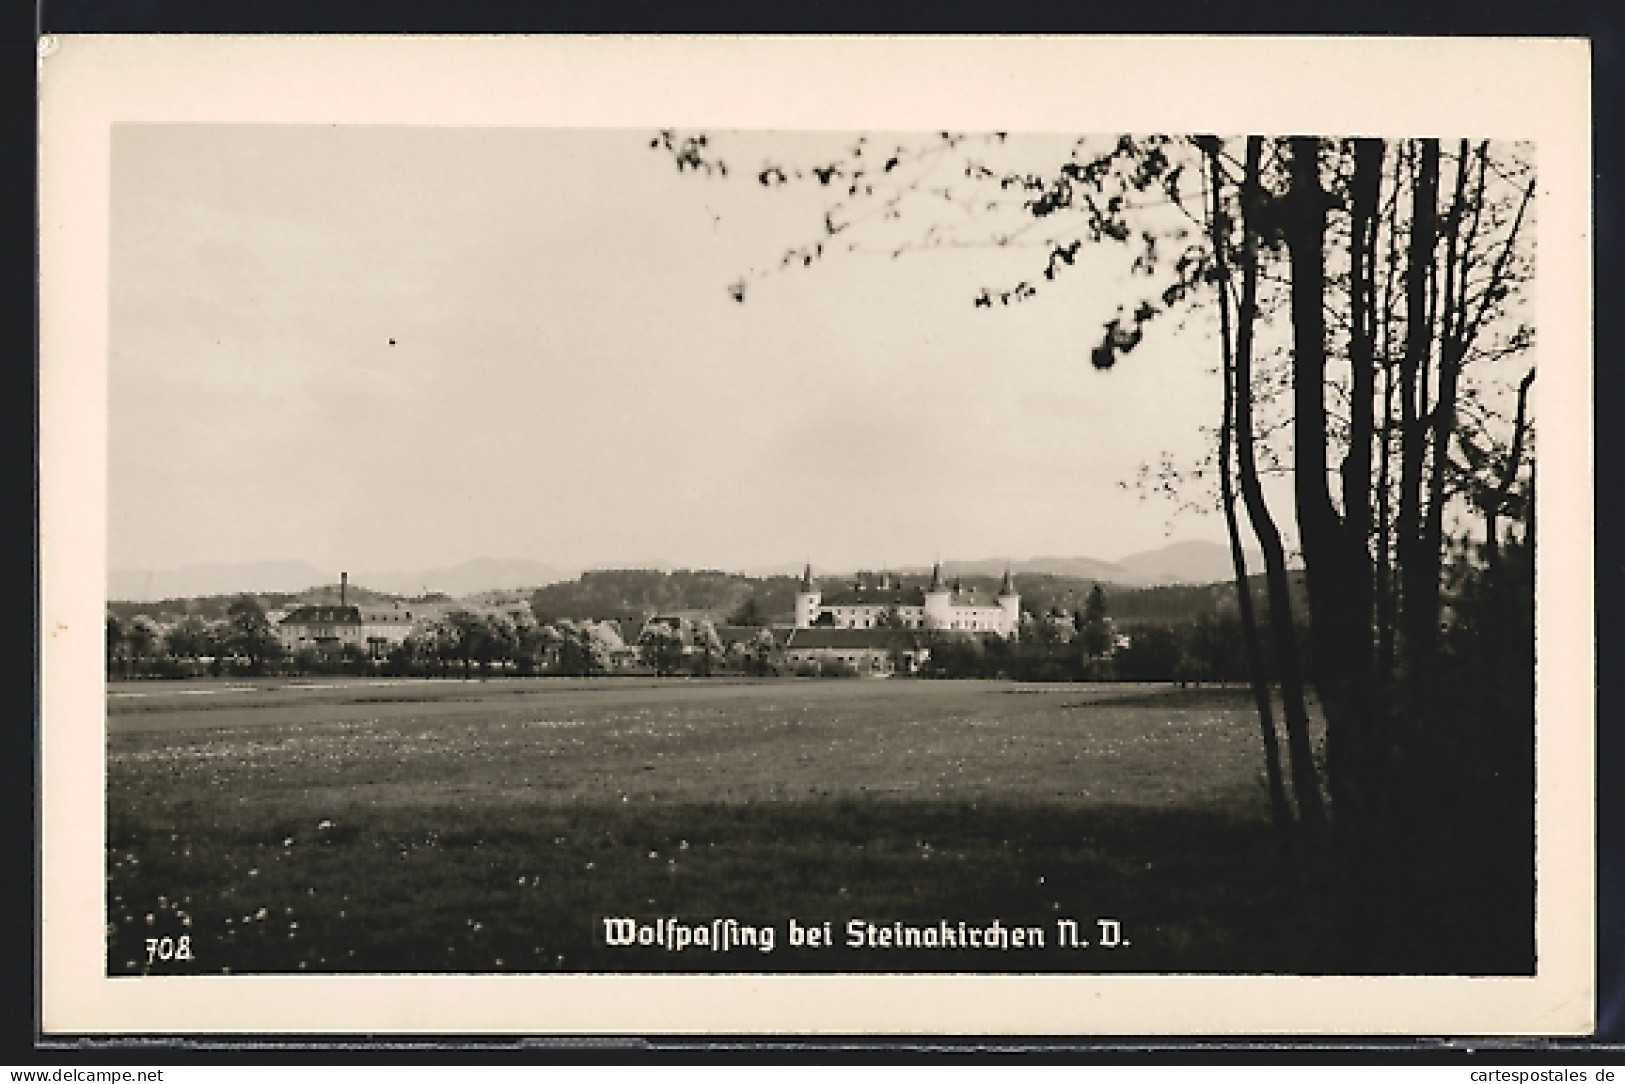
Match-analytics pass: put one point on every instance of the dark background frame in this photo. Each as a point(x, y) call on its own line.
point(1600, 21)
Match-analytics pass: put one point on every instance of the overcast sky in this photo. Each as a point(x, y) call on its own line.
point(394, 348)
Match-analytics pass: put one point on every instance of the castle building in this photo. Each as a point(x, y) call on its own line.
point(938, 608)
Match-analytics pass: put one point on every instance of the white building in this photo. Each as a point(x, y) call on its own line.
point(384, 626)
point(937, 607)
point(324, 628)
point(376, 626)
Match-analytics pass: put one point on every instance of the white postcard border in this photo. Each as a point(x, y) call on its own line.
point(1535, 89)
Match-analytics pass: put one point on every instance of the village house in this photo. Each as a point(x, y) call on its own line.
point(322, 628)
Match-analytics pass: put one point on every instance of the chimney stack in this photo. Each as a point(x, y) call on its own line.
point(344, 584)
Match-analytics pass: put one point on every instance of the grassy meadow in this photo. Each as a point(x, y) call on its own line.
point(448, 826)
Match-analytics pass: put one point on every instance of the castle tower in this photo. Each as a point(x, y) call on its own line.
point(939, 601)
point(1010, 603)
point(807, 600)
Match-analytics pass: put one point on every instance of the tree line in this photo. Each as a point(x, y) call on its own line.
point(463, 643)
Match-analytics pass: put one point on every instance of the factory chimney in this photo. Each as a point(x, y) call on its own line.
point(344, 584)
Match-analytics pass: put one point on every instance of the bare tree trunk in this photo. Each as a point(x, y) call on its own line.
point(1305, 776)
point(1452, 326)
point(1386, 599)
point(1328, 569)
point(1364, 752)
point(1418, 575)
point(1509, 476)
point(1280, 808)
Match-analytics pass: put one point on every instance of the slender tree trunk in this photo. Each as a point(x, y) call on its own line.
point(1452, 326)
point(1330, 572)
point(1305, 776)
point(1418, 576)
point(1386, 601)
point(1280, 808)
point(1364, 752)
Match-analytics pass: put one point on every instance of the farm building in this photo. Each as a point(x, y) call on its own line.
point(869, 651)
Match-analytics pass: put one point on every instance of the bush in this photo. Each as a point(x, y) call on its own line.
point(172, 668)
point(1153, 654)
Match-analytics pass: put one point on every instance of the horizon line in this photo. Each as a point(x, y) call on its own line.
point(664, 564)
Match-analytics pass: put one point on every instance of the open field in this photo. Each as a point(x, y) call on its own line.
point(491, 826)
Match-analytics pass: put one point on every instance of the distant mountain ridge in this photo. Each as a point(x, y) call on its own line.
point(219, 578)
point(1178, 563)
point(296, 577)
point(1187, 562)
point(1082, 568)
point(467, 578)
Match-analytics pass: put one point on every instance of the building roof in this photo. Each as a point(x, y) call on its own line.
point(324, 615)
point(851, 638)
point(740, 634)
point(676, 618)
point(969, 600)
point(384, 613)
point(875, 596)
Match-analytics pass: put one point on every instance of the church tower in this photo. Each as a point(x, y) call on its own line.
point(807, 600)
point(1010, 603)
point(939, 601)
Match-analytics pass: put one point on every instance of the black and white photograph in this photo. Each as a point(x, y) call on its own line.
point(543, 553)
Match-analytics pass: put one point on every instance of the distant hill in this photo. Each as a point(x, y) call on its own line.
point(1080, 568)
point(478, 574)
point(1181, 562)
point(784, 568)
point(297, 577)
point(1186, 562)
point(354, 594)
point(195, 581)
point(622, 594)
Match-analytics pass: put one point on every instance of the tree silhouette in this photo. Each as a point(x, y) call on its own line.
point(250, 633)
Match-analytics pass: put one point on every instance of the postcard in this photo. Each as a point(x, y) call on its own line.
point(982, 536)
